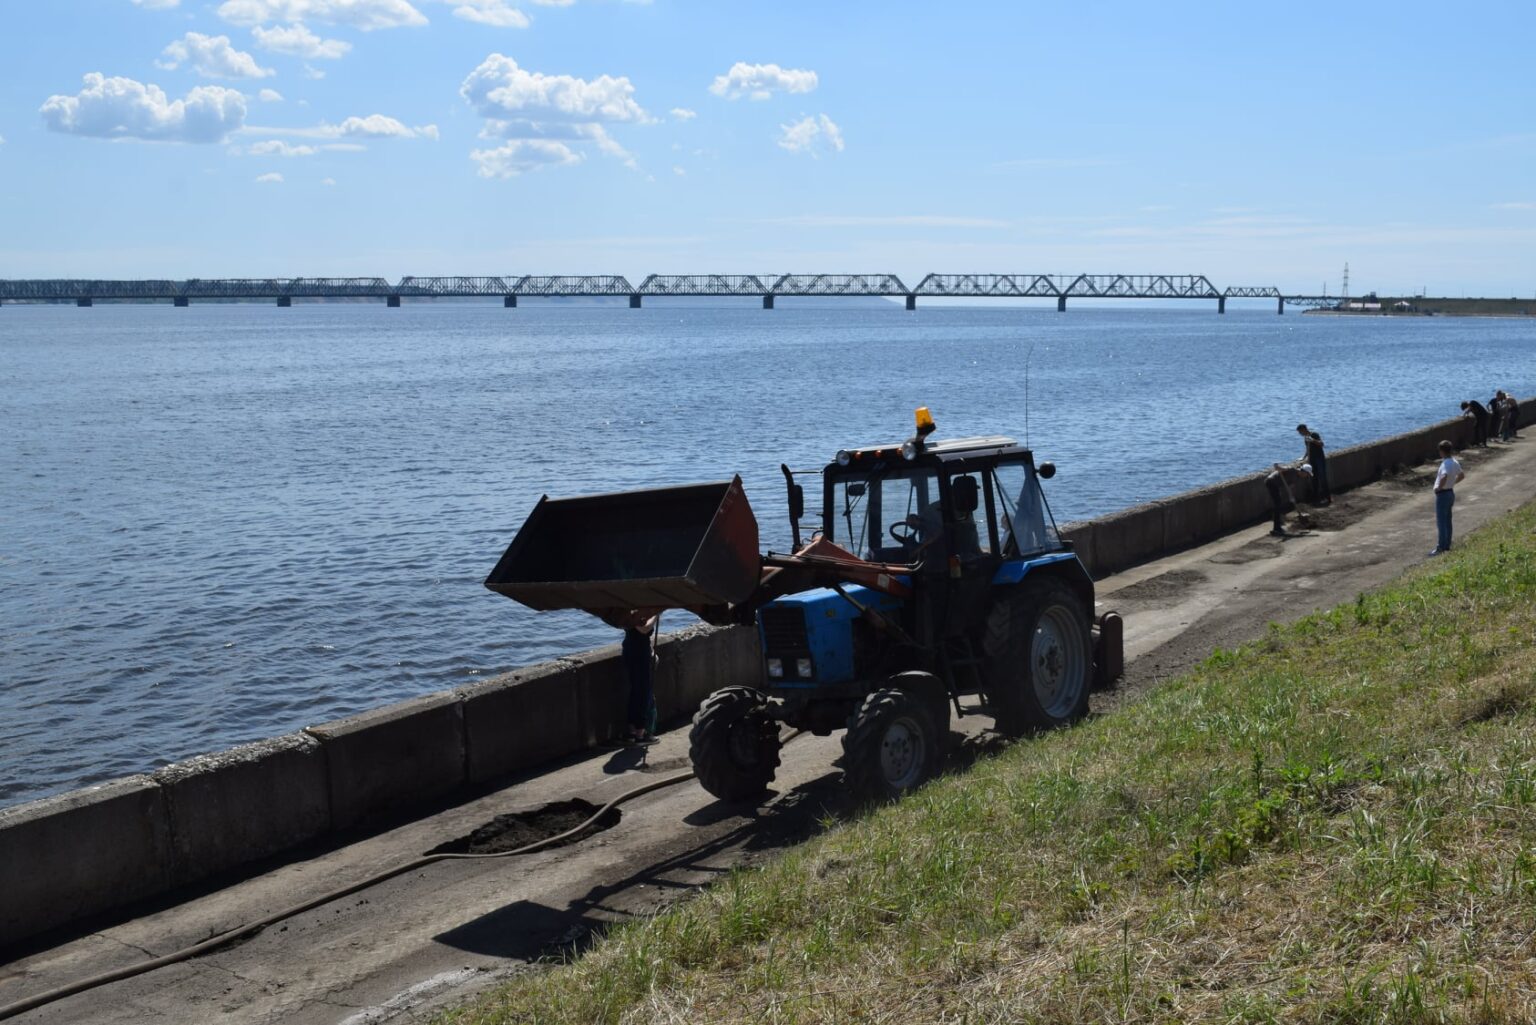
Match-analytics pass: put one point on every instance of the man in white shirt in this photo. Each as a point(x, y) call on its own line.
point(1447, 477)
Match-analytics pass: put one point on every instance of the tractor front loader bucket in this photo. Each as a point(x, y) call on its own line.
point(680, 547)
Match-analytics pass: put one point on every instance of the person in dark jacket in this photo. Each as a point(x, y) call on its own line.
point(639, 654)
point(1315, 457)
point(1479, 414)
point(1501, 416)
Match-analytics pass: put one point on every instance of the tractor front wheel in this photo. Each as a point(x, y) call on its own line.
point(1039, 651)
point(891, 746)
point(734, 745)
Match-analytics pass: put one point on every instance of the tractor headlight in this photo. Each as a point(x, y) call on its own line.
point(776, 669)
point(909, 450)
point(844, 457)
point(803, 668)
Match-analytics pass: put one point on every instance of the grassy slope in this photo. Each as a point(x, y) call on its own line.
point(1333, 824)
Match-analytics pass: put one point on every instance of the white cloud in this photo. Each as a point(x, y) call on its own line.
point(499, 88)
point(156, 5)
point(374, 126)
point(678, 171)
point(279, 148)
point(298, 41)
point(1513, 206)
point(327, 181)
point(211, 57)
point(121, 108)
point(760, 81)
point(529, 106)
point(2, 140)
point(684, 114)
point(497, 13)
point(270, 96)
point(270, 179)
point(361, 14)
point(313, 74)
point(522, 155)
point(379, 126)
point(811, 134)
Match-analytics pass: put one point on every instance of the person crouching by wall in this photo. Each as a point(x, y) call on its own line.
point(1279, 485)
point(1479, 415)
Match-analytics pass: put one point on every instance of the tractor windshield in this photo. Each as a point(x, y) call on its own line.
point(1022, 515)
point(886, 516)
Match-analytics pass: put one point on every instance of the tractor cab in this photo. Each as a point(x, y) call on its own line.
point(965, 498)
point(935, 504)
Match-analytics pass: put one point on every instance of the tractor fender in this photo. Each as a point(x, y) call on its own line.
point(1065, 565)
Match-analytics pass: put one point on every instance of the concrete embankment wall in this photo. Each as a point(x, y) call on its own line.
point(88, 852)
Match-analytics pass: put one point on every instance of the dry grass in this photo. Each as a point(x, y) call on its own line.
point(1334, 824)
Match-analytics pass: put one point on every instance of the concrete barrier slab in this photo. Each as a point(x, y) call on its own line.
point(81, 853)
point(393, 758)
point(245, 803)
point(520, 720)
point(1126, 538)
point(1353, 467)
point(1191, 518)
point(602, 692)
point(1243, 502)
point(696, 663)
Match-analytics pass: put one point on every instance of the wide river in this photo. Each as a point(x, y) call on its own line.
point(224, 523)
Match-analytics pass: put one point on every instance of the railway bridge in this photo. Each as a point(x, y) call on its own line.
point(511, 288)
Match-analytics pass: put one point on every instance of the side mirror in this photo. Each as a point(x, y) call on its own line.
point(857, 489)
point(796, 501)
point(1046, 470)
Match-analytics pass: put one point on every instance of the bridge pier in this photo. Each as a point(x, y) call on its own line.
point(1061, 304)
point(634, 301)
point(284, 301)
point(1221, 304)
point(180, 301)
point(509, 302)
point(911, 301)
point(393, 302)
point(768, 302)
point(83, 301)
point(1280, 306)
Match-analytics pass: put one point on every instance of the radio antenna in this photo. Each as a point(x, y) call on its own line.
point(1027, 354)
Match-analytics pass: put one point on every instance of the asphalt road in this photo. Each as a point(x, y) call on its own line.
point(395, 952)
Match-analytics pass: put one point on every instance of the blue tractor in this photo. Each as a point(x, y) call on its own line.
point(934, 585)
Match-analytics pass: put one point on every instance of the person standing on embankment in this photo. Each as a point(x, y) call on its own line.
point(1447, 477)
point(1315, 457)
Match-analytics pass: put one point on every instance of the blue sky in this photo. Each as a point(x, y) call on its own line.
point(1255, 144)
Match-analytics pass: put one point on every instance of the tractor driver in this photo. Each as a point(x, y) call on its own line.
point(920, 529)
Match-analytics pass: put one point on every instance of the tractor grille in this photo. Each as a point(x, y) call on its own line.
point(784, 631)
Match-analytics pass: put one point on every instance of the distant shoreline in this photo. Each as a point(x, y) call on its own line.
point(1422, 306)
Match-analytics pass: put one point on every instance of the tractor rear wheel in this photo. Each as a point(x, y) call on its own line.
point(891, 746)
point(1039, 652)
point(734, 745)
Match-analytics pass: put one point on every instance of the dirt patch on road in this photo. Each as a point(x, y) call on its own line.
point(511, 832)
point(1163, 590)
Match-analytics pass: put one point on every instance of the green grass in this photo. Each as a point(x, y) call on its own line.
point(1336, 823)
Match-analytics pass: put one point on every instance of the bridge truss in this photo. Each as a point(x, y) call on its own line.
point(768, 286)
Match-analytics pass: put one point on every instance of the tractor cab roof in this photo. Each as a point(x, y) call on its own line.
point(942, 451)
